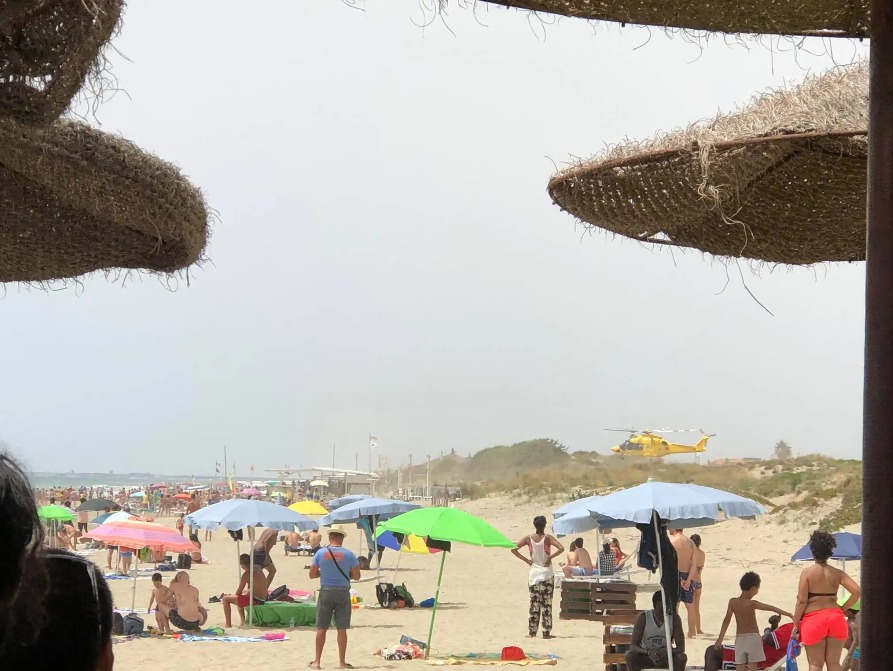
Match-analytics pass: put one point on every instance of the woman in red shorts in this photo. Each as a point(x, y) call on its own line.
point(821, 624)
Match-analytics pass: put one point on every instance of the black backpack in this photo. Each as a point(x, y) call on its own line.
point(384, 592)
point(133, 625)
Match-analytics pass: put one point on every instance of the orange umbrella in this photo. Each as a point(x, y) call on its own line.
point(182, 497)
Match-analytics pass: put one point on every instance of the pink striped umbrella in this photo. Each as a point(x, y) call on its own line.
point(137, 534)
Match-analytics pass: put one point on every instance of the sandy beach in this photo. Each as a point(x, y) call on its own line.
point(483, 600)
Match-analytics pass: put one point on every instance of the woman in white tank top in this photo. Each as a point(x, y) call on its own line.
point(542, 548)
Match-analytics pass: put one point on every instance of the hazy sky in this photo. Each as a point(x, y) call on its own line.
point(387, 258)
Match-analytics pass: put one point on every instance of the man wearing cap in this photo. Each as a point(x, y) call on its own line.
point(335, 566)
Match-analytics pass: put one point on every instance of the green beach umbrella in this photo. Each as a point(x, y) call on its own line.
point(55, 514)
point(445, 524)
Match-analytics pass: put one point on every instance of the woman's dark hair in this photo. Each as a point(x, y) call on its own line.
point(22, 579)
point(539, 523)
point(78, 617)
point(822, 545)
point(696, 539)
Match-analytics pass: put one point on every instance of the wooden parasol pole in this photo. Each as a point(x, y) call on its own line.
point(877, 448)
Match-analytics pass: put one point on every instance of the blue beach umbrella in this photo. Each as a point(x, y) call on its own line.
point(235, 514)
point(680, 505)
point(344, 500)
point(357, 511)
point(849, 547)
point(351, 512)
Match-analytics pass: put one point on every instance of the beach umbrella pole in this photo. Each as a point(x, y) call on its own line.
point(238, 555)
point(397, 567)
point(375, 554)
point(251, 586)
point(136, 572)
point(667, 615)
point(436, 602)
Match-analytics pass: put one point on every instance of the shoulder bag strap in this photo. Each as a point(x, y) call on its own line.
point(337, 565)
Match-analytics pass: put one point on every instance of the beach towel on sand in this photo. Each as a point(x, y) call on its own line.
point(492, 659)
point(189, 638)
point(453, 661)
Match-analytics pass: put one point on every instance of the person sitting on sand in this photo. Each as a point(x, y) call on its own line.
point(240, 598)
point(188, 613)
point(314, 540)
point(160, 595)
point(748, 642)
point(263, 552)
point(648, 649)
point(582, 562)
point(293, 542)
point(65, 537)
point(196, 554)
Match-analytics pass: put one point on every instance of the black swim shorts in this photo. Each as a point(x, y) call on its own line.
point(180, 623)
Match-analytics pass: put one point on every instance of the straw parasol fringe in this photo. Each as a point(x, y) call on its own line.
point(831, 18)
point(76, 200)
point(724, 186)
point(48, 50)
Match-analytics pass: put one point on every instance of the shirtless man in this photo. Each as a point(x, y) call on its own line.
point(263, 552)
point(293, 542)
point(188, 613)
point(314, 540)
point(240, 599)
point(582, 562)
point(685, 557)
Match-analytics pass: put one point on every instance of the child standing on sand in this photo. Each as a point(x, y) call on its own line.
point(160, 596)
point(748, 642)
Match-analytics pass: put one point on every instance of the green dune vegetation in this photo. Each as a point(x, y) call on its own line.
point(807, 488)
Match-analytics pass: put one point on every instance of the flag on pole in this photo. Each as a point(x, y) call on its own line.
point(373, 442)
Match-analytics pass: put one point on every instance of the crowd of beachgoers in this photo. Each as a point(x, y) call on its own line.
point(55, 592)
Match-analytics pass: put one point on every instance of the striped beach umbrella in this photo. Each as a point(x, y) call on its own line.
point(137, 534)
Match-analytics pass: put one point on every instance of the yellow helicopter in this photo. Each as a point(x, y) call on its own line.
point(651, 443)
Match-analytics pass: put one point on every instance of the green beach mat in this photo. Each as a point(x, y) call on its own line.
point(280, 613)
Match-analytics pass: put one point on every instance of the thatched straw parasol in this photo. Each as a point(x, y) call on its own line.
point(75, 200)
point(783, 180)
point(832, 18)
point(48, 48)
